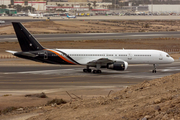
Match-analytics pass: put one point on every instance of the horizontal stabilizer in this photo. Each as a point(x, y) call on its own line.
point(28, 54)
point(10, 51)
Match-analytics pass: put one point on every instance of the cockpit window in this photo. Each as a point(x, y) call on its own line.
point(167, 56)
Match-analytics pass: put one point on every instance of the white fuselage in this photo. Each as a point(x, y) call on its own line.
point(35, 15)
point(71, 16)
point(83, 56)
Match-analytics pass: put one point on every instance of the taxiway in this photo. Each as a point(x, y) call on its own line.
point(54, 77)
point(93, 36)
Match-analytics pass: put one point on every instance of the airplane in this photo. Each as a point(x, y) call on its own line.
point(73, 16)
point(35, 15)
point(113, 59)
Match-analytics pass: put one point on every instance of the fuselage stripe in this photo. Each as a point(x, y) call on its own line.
point(68, 57)
point(61, 56)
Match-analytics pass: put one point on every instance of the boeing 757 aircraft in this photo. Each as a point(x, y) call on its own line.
point(99, 58)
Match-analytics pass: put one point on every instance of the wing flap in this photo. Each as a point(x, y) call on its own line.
point(101, 61)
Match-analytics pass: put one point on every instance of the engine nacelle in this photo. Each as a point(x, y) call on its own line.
point(121, 66)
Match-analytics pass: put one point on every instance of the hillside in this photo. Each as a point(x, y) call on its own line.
point(157, 99)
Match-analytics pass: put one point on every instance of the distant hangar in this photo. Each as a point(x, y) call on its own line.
point(164, 8)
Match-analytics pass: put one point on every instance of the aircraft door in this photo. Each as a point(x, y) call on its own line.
point(160, 57)
point(129, 56)
point(45, 55)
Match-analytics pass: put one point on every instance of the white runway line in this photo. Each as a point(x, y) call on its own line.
point(149, 35)
point(42, 71)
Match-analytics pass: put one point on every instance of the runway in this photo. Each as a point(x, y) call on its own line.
point(94, 36)
point(56, 77)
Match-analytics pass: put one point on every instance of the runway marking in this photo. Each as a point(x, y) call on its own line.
point(98, 33)
point(39, 72)
point(149, 35)
point(165, 70)
point(74, 82)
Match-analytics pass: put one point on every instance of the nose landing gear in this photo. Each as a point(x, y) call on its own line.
point(87, 70)
point(154, 70)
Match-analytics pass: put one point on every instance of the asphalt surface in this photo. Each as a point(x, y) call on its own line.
point(94, 36)
point(56, 77)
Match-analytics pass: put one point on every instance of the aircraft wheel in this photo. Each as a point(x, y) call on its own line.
point(89, 70)
point(154, 71)
point(85, 70)
point(98, 71)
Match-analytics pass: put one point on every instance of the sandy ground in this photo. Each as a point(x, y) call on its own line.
point(105, 26)
point(153, 100)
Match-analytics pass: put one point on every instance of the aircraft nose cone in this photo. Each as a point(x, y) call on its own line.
point(172, 60)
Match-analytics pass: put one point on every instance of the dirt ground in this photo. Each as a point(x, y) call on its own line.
point(104, 26)
point(150, 100)
point(155, 100)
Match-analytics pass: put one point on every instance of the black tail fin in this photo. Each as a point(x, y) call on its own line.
point(26, 40)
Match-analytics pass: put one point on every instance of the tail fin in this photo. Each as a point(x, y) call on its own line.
point(29, 12)
point(26, 40)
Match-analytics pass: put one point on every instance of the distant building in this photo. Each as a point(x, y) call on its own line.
point(164, 8)
point(136, 8)
point(5, 2)
point(9, 11)
point(39, 5)
point(77, 0)
point(77, 4)
point(51, 7)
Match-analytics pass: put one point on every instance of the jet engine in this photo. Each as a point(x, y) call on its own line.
point(120, 66)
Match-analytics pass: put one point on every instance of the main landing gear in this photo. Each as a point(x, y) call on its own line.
point(87, 70)
point(154, 70)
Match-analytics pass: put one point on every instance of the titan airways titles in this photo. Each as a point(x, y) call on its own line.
point(99, 58)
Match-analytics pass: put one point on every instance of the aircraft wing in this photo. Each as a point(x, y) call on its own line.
point(117, 64)
point(103, 62)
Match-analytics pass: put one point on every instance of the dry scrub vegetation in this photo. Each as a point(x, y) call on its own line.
point(153, 43)
point(158, 99)
point(104, 26)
